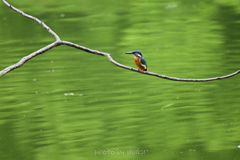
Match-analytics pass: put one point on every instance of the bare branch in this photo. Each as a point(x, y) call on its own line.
point(33, 18)
point(26, 58)
point(59, 42)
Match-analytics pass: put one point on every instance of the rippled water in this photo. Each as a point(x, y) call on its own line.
point(69, 104)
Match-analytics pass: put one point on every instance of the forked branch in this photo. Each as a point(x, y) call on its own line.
point(60, 42)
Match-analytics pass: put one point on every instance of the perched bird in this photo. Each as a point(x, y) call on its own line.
point(139, 60)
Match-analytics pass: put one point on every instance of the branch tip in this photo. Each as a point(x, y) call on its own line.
point(1, 74)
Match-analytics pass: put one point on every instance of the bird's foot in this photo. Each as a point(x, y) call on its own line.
point(137, 69)
point(141, 70)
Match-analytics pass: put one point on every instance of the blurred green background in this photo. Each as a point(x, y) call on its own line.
point(69, 104)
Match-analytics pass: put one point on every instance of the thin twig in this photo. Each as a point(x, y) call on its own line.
point(59, 42)
point(33, 18)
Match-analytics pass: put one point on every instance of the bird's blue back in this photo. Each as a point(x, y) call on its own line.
point(143, 61)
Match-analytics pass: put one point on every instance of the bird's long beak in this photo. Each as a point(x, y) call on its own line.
point(128, 53)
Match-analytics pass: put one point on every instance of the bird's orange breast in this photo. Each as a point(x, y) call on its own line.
point(137, 61)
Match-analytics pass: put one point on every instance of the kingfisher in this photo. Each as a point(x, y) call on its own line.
point(139, 60)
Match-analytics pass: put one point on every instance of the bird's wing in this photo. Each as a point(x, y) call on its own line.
point(143, 61)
